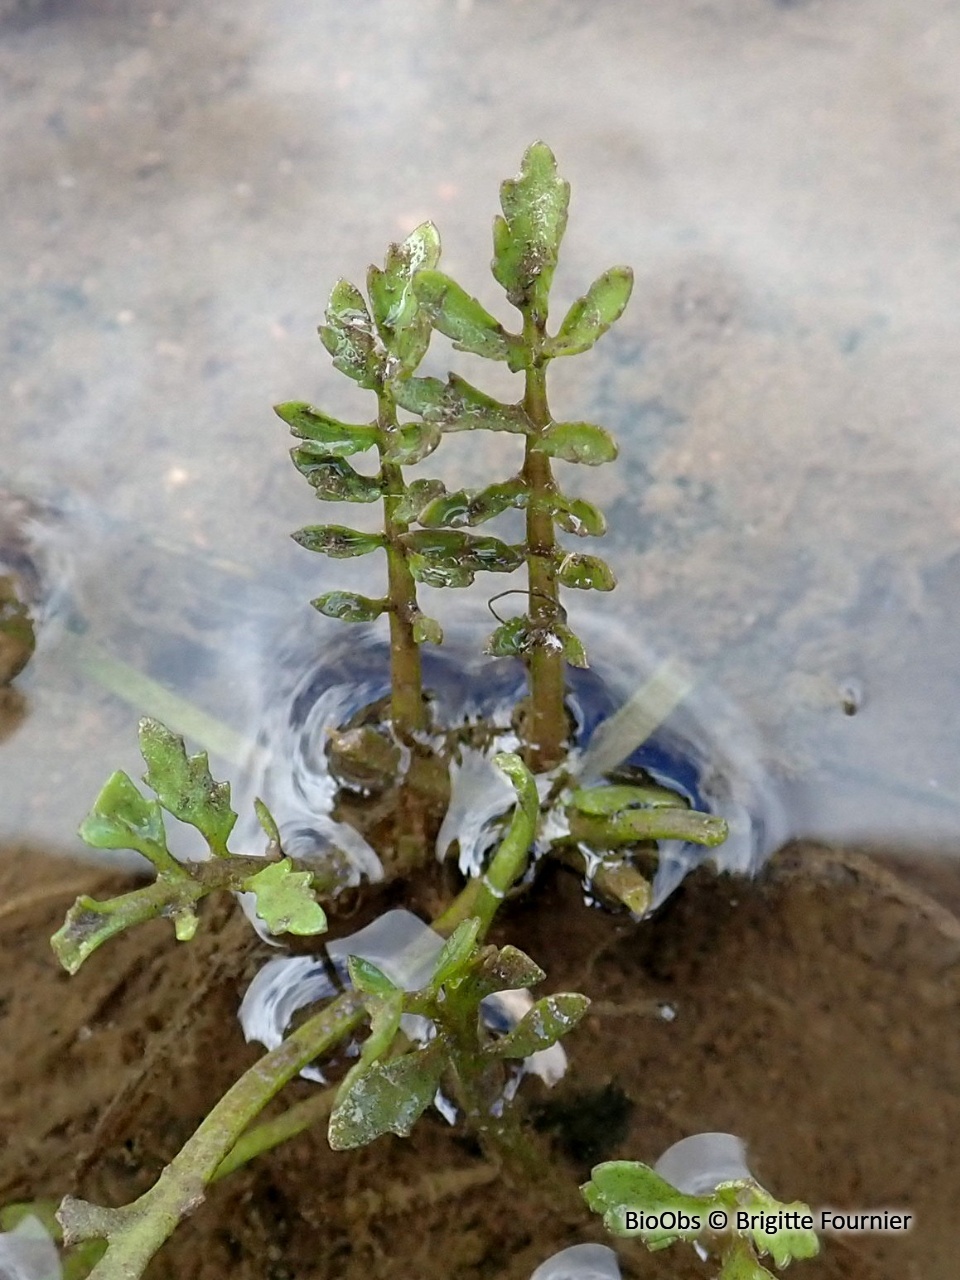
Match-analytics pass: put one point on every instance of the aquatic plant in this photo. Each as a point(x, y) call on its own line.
point(437, 1037)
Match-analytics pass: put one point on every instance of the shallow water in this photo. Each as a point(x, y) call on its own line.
point(182, 185)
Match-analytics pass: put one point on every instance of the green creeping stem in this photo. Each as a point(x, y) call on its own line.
point(136, 1231)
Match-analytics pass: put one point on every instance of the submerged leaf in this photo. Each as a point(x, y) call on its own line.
point(337, 540)
point(629, 1194)
point(457, 953)
point(593, 314)
point(412, 443)
point(184, 785)
point(576, 516)
point(391, 290)
point(608, 799)
point(577, 442)
point(458, 406)
point(388, 1097)
point(333, 479)
point(455, 313)
point(586, 573)
point(419, 493)
point(349, 606)
point(427, 630)
point(512, 639)
point(448, 558)
point(527, 238)
point(474, 506)
point(122, 818)
point(541, 1026)
point(349, 337)
point(285, 901)
point(339, 439)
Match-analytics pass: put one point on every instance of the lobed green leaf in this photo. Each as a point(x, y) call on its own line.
point(349, 337)
point(122, 818)
point(448, 558)
point(418, 494)
point(592, 315)
point(457, 953)
point(333, 479)
point(577, 442)
point(474, 506)
point(526, 240)
point(620, 1186)
point(541, 1026)
point(388, 1097)
point(184, 785)
point(285, 900)
point(350, 606)
point(427, 630)
point(339, 439)
point(456, 405)
point(586, 573)
point(412, 443)
point(368, 978)
point(392, 298)
point(455, 313)
point(337, 541)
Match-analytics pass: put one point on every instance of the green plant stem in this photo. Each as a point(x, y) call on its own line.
point(483, 896)
point(135, 1232)
point(633, 825)
point(546, 732)
point(271, 1133)
point(407, 708)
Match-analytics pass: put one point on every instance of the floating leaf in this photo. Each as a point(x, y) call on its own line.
point(474, 506)
point(184, 786)
point(586, 573)
point(627, 1193)
point(389, 1097)
point(333, 479)
point(577, 442)
point(541, 1026)
point(427, 630)
point(462, 318)
point(526, 240)
point(593, 314)
point(337, 541)
point(419, 494)
point(285, 901)
point(458, 406)
point(350, 606)
point(122, 818)
point(339, 439)
point(348, 336)
point(412, 443)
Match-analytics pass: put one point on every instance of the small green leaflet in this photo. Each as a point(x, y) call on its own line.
point(184, 787)
point(526, 240)
point(456, 405)
point(577, 442)
point(333, 479)
point(541, 1026)
point(348, 336)
point(620, 1187)
point(337, 540)
point(592, 315)
point(464, 319)
point(121, 818)
point(285, 901)
point(389, 1097)
point(338, 439)
point(350, 606)
point(456, 954)
point(586, 573)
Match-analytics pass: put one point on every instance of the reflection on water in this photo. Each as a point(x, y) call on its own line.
point(183, 185)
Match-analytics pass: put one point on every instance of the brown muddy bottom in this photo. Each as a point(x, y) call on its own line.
point(814, 1012)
